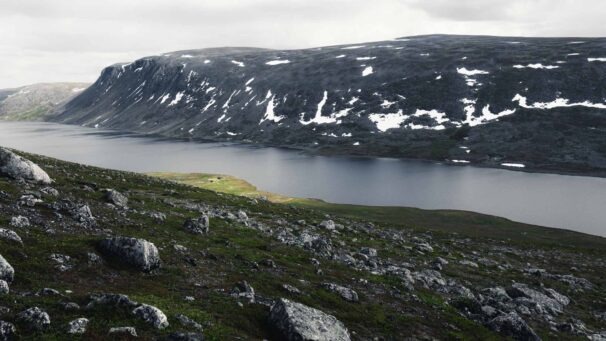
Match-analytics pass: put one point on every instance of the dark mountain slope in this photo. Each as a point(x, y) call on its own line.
point(485, 100)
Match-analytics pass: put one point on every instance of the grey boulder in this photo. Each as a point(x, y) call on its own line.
point(552, 302)
point(345, 292)
point(199, 225)
point(10, 235)
point(7, 331)
point(244, 290)
point(296, 321)
point(7, 272)
point(328, 225)
point(135, 252)
point(118, 199)
point(187, 322)
point(19, 222)
point(131, 331)
point(4, 289)
point(114, 300)
point(514, 326)
point(151, 315)
point(17, 167)
point(77, 326)
point(180, 336)
point(35, 318)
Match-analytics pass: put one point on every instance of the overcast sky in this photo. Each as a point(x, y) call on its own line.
point(72, 40)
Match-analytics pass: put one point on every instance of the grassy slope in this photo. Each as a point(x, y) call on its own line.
point(225, 256)
point(34, 114)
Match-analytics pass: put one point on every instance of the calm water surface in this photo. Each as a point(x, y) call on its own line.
point(577, 203)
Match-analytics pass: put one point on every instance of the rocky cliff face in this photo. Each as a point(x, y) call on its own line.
point(486, 100)
point(34, 101)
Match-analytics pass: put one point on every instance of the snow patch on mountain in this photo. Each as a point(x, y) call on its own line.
point(277, 62)
point(367, 71)
point(514, 165)
point(269, 110)
point(536, 66)
point(177, 99)
point(164, 98)
point(318, 118)
point(464, 71)
point(557, 103)
point(240, 64)
point(353, 47)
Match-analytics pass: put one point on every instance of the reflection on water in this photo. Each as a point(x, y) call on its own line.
point(544, 199)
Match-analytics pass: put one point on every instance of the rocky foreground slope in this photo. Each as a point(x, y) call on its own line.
point(94, 254)
point(538, 103)
point(34, 102)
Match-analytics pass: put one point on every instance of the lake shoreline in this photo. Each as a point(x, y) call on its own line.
point(560, 201)
point(597, 173)
point(223, 183)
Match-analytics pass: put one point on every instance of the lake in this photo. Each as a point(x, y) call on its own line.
point(572, 202)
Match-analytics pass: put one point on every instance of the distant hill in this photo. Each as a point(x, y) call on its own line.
point(33, 102)
point(537, 103)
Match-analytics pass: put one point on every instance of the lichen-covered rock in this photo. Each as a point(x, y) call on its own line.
point(369, 251)
point(7, 272)
point(48, 292)
point(118, 199)
point(62, 262)
point(180, 336)
point(18, 167)
point(4, 289)
point(77, 326)
point(123, 331)
point(469, 263)
point(295, 321)
point(291, 289)
point(151, 315)
point(242, 216)
point(70, 306)
point(35, 318)
point(429, 278)
point(116, 300)
point(157, 216)
point(199, 225)
point(50, 191)
point(514, 326)
point(187, 322)
point(345, 292)
point(19, 222)
point(83, 214)
point(10, 235)
point(328, 225)
point(7, 331)
point(93, 259)
point(597, 337)
point(424, 247)
point(552, 302)
point(244, 290)
point(135, 252)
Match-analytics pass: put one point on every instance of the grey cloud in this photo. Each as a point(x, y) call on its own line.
point(63, 40)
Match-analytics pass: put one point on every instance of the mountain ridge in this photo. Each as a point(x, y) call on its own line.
point(34, 101)
point(455, 98)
